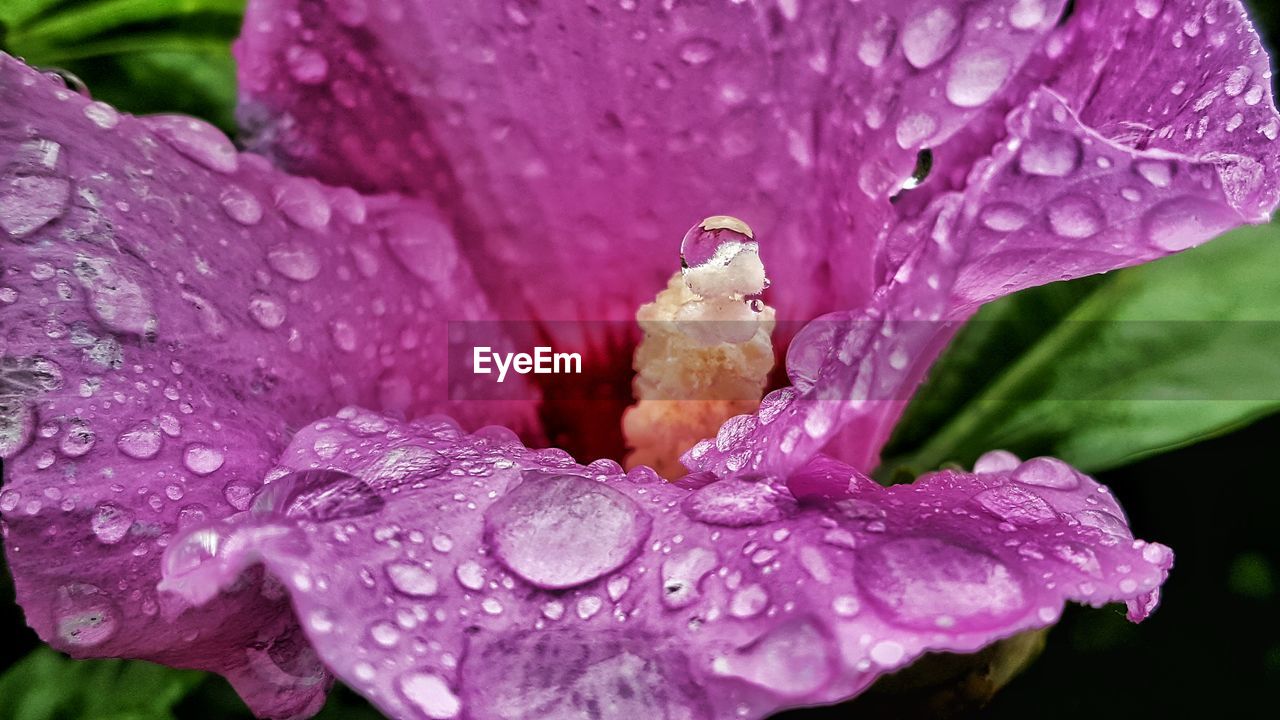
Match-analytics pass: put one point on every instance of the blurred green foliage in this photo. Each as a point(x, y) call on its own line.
point(1110, 370)
point(145, 56)
point(48, 686)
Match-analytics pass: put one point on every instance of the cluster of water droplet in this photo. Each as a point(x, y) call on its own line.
point(427, 538)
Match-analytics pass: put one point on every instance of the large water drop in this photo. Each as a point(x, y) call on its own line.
point(538, 530)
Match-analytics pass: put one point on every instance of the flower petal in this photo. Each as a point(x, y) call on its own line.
point(581, 141)
point(1056, 199)
point(170, 310)
point(443, 574)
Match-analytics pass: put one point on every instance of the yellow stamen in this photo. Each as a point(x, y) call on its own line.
point(703, 358)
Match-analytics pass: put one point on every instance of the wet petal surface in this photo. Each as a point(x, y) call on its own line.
point(433, 602)
point(581, 140)
point(171, 309)
point(1081, 181)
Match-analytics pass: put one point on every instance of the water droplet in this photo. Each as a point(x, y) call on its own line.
point(748, 602)
point(814, 563)
point(208, 315)
point(846, 605)
point(930, 35)
point(553, 610)
point(344, 335)
point(192, 550)
point(1047, 472)
point(1005, 217)
point(307, 65)
point(318, 495)
point(915, 129)
point(321, 621)
point(202, 459)
point(976, 76)
point(720, 258)
point(470, 575)
point(1015, 505)
point(739, 502)
point(774, 403)
point(681, 575)
point(116, 300)
point(430, 695)
point(384, 634)
point(1177, 224)
point(536, 530)
point(17, 425)
point(84, 615)
point(406, 463)
point(79, 440)
point(793, 659)
point(1080, 557)
point(1149, 8)
point(350, 205)
point(697, 51)
point(876, 41)
point(1076, 217)
point(1052, 155)
point(294, 261)
point(67, 79)
point(996, 461)
point(617, 587)
point(1157, 172)
point(239, 494)
point(1103, 521)
point(240, 205)
point(141, 442)
point(887, 653)
point(302, 201)
point(102, 115)
point(34, 190)
point(914, 580)
point(110, 522)
point(1026, 14)
point(169, 424)
point(412, 579)
point(588, 606)
point(197, 140)
point(265, 310)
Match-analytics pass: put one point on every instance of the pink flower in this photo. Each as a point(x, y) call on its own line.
point(189, 334)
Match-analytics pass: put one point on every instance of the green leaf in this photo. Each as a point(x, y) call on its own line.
point(1147, 360)
point(72, 22)
point(1001, 333)
point(16, 13)
point(48, 686)
point(143, 56)
point(199, 84)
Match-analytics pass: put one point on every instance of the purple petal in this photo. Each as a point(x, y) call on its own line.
point(444, 575)
point(1081, 183)
point(170, 311)
point(581, 141)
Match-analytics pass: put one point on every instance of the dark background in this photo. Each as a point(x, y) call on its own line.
point(1213, 647)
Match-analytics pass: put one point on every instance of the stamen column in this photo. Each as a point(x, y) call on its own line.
point(706, 353)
